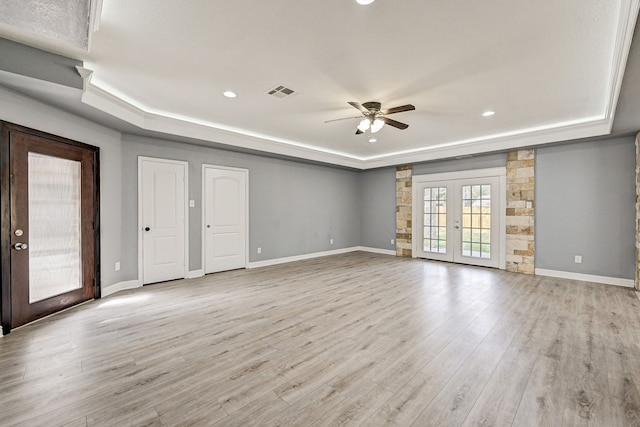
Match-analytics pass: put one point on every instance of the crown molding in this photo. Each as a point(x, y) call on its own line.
point(127, 110)
point(525, 138)
point(624, 37)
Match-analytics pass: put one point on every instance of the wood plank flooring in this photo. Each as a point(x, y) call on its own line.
point(355, 339)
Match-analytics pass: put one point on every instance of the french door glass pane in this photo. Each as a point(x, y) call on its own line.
point(435, 220)
point(476, 221)
point(54, 226)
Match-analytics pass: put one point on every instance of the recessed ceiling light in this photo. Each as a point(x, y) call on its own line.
point(372, 140)
point(229, 94)
point(365, 2)
point(488, 113)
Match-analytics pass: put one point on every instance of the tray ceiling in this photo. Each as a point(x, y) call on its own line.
point(549, 70)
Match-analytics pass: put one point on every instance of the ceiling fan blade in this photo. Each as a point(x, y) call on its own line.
point(359, 107)
point(394, 123)
point(344, 118)
point(358, 132)
point(400, 109)
point(372, 106)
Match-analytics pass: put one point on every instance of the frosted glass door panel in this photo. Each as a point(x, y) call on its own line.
point(55, 265)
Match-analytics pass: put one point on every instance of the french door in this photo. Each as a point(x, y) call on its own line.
point(459, 220)
point(50, 224)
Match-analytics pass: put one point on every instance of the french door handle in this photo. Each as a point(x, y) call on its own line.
point(20, 246)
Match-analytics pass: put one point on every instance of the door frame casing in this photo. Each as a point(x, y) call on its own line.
point(5, 212)
point(204, 219)
point(185, 165)
point(499, 172)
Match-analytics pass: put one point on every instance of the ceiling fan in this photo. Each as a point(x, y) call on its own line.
point(374, 118)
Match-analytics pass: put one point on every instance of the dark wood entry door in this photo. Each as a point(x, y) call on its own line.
point(49, 224)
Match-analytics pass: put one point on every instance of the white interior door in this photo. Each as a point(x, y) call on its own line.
point(163, 219)
point(459, 220)
point(225, 219)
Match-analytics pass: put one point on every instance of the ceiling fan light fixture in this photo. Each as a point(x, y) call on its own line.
point(364, 125)
point(377, 125)
point(364, 2)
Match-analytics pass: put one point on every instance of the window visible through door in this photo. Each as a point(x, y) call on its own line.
point(476, 220)
point(435, 219)
point(457, 217)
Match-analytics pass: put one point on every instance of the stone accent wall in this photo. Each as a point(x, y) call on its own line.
point(520, 244)
point(637, 212)
point(403, 210)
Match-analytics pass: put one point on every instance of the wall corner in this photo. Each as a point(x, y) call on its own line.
point(637, 269)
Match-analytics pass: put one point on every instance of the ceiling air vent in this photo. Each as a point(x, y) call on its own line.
point(281, 92)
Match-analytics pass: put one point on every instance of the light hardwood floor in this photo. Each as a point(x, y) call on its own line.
point(356, 339)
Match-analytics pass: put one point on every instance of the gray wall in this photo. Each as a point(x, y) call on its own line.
point(378, 208)
point(28, 61)
point(585, 205)
point(294, 208)
point(584, 195)
point(378, 195)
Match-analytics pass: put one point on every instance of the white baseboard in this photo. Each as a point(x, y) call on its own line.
point(376, 250)
point(627, 283)
point(194, 274)
point(284, 260)
point(120, 286)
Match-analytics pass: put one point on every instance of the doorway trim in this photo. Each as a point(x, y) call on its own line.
point(185, 165)
point(499, 172)
point(5, 213)
point(203, 207)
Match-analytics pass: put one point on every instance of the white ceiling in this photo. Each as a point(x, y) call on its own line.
point(551, 70)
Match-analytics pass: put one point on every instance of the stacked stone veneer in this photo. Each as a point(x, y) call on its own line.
point(637, 212)
point(403, 210)
point(520, 244)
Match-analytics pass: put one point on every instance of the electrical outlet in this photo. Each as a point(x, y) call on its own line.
point(259, 250)
point(578, 259)
point(118, 266)
point(192, 203)
point(331, 241)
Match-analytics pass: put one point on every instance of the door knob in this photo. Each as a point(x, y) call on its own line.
point(20, 246)
point(147, 229)
point(456, 227)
